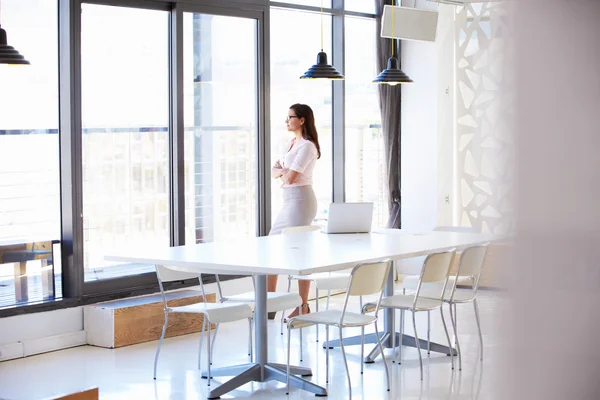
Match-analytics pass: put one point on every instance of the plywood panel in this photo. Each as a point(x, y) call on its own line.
point(91, 394)
point(143, 322)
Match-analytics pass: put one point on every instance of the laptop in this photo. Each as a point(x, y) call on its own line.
point(349, 218)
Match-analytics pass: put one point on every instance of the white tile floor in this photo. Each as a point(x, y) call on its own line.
point(126, 373)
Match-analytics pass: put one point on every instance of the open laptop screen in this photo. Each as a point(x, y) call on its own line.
point(349, 218)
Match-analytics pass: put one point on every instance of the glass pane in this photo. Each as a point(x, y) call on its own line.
point(295, 42)
point(314, 3)
point(29, 151)
point(365, 153)
point(221, 133)
point(125, 113)
point(366, 6)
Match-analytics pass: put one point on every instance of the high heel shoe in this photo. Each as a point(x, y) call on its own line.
point(305, 310)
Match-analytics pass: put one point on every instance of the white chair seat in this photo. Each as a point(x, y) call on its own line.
point(406, 302)
point(217, 312)
point(331, 317)
point(327, 281)
point(276, 301)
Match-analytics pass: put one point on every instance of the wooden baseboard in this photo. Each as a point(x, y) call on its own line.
point(131, 321)
point(90, 394)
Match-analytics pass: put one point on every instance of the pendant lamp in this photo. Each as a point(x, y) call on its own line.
point(392, 75)
point(322, 70)
point(8, 54)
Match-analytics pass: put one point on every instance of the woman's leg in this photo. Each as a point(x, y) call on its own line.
point(303, 289)
point(272, 283)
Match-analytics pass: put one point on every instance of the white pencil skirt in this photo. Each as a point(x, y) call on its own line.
point(299, 208)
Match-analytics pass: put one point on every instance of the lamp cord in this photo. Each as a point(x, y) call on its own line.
point(321, 25)
point(393, 30)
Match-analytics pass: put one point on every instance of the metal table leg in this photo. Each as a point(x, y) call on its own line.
point(262, 370)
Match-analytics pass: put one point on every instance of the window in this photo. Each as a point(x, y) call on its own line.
point(295, 42)
point(221, 130)
point(366, 6)
point(125, 117)
point(365, 153)
point(314, 3)
point(29, 141)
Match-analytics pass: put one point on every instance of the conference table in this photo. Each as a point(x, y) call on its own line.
point(298, 254)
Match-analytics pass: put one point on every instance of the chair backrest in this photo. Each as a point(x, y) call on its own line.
point(367, 279)
point(471, 264)
point(435, 272)
point(165, 274)
point(298, 229)
point(437, 266)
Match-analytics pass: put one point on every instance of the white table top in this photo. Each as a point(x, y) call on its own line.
point(298, 254)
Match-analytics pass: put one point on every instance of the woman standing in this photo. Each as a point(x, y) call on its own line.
point(295, 170)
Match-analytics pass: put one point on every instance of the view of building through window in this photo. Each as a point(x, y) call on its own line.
point(365, 155)
point(295, 42)
point(125, 118)
point(29, 147)
point(125, 138)
point(221, 130)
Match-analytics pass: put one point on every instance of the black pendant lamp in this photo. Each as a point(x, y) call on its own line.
point(392, 75)
point(8, 54)
point(322, 70)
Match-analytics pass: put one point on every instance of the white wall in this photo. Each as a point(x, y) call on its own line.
point(420, 125)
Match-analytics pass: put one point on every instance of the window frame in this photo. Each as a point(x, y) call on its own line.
point(76, 292)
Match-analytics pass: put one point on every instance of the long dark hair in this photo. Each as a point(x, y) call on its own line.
point(309, 130)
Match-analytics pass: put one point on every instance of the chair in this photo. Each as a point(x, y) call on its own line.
point(471, 264)
point(436, 268)
point(323, 281)
point(213, 313)
point(365, 279)
point(410, 281)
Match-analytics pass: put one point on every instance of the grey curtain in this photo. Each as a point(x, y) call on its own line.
point(389, 105)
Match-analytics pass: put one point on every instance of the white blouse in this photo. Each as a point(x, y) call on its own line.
point(302, 158)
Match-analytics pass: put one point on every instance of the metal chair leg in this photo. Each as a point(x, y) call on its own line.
point(200, 343)
point(283, 311)
point(327, 354)
point(401, 336)
point(160, 342)
point(476, 306)
point(453, 319)
point(447, 337)
point(212, 348)
point(362, 348)
point(317, 307)
point(287, 377)
point(301, 330)
point(250, 338)
point(418, 345)
point(393, 337)
point(208, 350)
point(387, 372)
point(346, 362)
point(428, 332)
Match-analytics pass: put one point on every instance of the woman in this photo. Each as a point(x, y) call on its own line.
point(295, 170)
